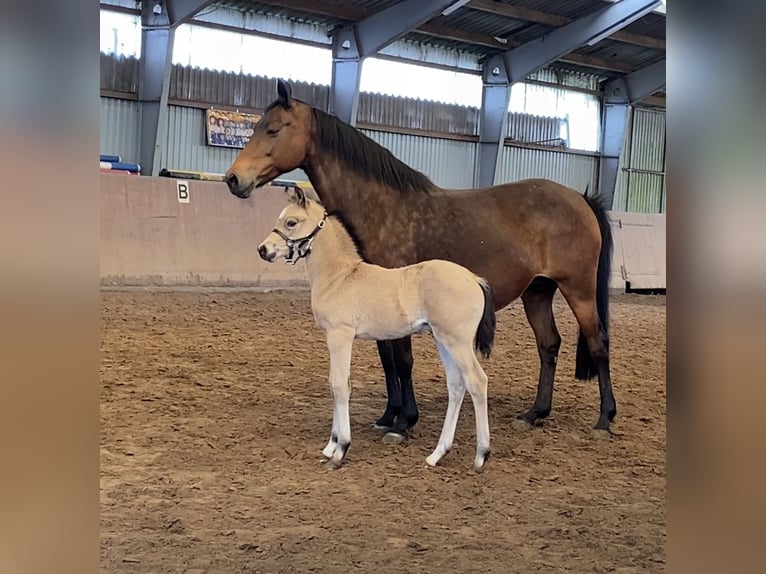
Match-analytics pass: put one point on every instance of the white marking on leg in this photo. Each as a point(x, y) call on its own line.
point(339, 344)
point(330, 448)
point(476, 384)
point(456, 391)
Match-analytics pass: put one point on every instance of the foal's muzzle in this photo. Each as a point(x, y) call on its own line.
point(263, 251)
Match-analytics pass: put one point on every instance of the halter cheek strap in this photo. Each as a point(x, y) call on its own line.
point(301, 247)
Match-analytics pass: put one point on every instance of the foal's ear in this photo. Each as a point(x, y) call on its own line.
point(296, 195)
point(284, 93)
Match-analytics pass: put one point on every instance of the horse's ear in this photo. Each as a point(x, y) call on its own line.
point(296, 195)
point(284, 93)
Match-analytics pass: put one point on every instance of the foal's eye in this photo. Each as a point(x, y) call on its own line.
point(291, 223)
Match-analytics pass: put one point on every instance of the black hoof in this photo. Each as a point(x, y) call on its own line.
point(411, 420)
point(605, 420)
point(387, 421)
point(531, 418)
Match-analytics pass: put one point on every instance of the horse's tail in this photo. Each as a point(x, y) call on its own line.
point(485, 332)
point(585, 366)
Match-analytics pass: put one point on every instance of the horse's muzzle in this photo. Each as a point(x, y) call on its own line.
point(237, 187)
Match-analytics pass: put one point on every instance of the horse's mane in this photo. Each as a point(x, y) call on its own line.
point(340, 217)
point(367, 157)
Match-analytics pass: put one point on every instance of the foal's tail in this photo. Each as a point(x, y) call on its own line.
point(485, 332)
point(585, 366)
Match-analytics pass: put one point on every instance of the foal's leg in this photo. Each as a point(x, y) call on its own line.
point(582, 300)
point(538, 305)
point(330, 448)
point(339, 343)
point(476, 383)
point(394, 391)
point(456, 390)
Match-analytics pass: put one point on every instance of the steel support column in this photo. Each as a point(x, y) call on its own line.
point(619, 94)
point(346, 74)
point(613, 123)
point(493, 121)
point(153, 81)
point(159, 19)
point(353, 43)
point(504, 70)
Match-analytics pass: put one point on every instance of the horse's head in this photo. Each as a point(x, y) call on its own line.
point(295, 228)
point(279, 143)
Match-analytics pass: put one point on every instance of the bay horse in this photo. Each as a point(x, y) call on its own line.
point(352, 299)
point(528, 238)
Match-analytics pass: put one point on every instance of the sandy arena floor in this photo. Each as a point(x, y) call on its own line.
point(215, 407)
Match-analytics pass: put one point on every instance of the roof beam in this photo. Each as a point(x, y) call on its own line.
point(528, 15)
point(528, 58)
point(353, 13)
point(358, 40)
point(181, 11)
point(380, 29)
point(636, 86)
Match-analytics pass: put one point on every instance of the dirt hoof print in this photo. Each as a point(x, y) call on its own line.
point(602, 434)
point(521, 425)
point(393, 438)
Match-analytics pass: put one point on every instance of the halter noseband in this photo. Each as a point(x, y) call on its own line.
point(301, 247)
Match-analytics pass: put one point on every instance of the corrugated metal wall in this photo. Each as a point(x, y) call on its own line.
point(119, 73)
point(573, 170)
point(118, 129)
point(186, 143)
point(209, 87)
point(416, 114)
point(449, 163)
point(641, 180)
point(526, 128)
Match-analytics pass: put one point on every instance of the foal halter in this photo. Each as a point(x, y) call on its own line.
point(301, 247)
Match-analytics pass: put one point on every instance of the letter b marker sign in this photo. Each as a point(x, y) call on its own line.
point(183, 191)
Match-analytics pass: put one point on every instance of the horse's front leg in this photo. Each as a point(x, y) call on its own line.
point(408, 417)
point(393, 390)
point(339, 343)
point(330, 448)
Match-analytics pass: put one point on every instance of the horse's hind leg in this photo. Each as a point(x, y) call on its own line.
point(476, 383)
point(582, 300)
point(538, 305)
point(393, 390)
point(456, 392)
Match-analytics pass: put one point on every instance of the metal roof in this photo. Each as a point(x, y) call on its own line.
point(483, 28)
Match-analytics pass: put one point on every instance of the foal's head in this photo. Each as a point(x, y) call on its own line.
point(295, 229)
point(280, 143)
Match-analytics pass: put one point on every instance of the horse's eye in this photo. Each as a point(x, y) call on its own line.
point(273, 131)
point(290, 223)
